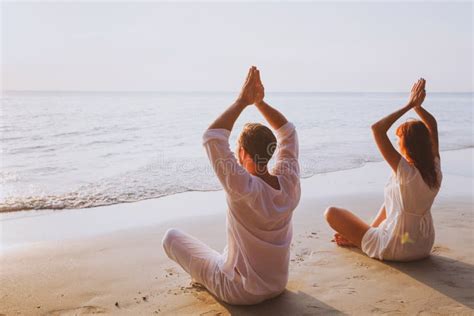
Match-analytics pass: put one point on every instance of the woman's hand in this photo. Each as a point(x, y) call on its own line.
point(248, 93)
point(418, 93)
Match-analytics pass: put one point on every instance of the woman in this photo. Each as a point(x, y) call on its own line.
point(403, 229)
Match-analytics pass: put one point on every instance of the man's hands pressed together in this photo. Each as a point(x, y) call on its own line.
point(252, 93)
point(248, 93)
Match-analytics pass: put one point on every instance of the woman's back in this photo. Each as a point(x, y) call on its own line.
point(409, 226)
point(415, 196)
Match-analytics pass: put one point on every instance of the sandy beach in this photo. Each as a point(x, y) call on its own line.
point(114, 120)
point(110, 260)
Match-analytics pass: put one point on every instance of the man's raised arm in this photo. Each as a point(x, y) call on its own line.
point(288, 148)
point(247, 96)
point(272, 115)
point(232, 176)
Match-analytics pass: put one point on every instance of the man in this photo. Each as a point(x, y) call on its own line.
point(254, 265)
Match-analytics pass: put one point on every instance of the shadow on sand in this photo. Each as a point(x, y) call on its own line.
point(450, 277)
point(288, 303)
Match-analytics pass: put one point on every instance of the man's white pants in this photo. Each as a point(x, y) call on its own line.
point(202, 263)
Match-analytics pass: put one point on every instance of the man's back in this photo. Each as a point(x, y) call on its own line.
point(259, 229)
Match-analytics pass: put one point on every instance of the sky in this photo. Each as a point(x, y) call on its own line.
point(353, 47)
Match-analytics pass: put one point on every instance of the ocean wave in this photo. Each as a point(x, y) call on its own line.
point(66, 134)
point(8, 176)
point(69, 201)
point(79, 200)
point(35, 149)
point(153, 180)
point(150, 182)
point(6, 139)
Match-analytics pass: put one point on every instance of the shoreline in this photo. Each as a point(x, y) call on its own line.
point(174, 207)
point(22, 212)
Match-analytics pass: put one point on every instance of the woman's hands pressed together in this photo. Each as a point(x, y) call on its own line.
point(418, 93)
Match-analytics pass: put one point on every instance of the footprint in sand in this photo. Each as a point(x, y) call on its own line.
point(170, 272)
point(204, 297)
point(362, 265)
point(312, 235)
point(172, 292)
point(303, 253)
point(440, 249)
point(376, 310)
point(357, 277)
point(345, 290)
point(193, 287)
point(323, 252)
point(211, 313)
point(321, 262)
point(197, 290)
point(83, 310)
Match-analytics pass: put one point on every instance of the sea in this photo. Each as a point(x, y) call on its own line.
point(64, 150)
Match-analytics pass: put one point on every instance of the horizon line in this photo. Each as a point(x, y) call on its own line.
point(209, 92)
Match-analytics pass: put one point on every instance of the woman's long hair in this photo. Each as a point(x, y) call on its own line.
point(416, 145)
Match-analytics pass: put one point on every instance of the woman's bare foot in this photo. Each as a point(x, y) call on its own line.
point(342, 241)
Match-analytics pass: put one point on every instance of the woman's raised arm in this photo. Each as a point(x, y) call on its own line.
point(380, 128)
point(430, 122)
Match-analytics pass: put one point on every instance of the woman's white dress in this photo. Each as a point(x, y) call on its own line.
point(407, 233)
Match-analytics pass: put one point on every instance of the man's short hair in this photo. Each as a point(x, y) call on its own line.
point(259, 142)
